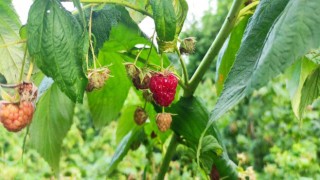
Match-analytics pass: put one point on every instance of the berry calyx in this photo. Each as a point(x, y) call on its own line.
point(163, 86)
point(142, 81)
point(140, 116)
point(97, 78)
point(27, 91)
point(163, 121)
point(16, 116)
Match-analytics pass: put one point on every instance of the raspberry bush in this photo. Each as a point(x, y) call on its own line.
point(97, 55)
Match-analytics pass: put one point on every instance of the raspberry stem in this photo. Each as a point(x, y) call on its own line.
point(29, 72)
point(23, 63)
point(215, 47)
point(151, 46)
point(184, 68)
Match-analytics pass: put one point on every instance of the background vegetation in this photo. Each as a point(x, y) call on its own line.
point(261, 132)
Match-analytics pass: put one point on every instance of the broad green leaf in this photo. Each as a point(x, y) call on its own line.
point(228, 53)
point(56, 41)
point(105, 104)
point(247, 57)
point(298, 74)
point(189, 123)
point(294, 34)
point(123, 148)
point(165, 19)
point(310, 90)
point(51, 122)
point(181, 10)
point(12, 54)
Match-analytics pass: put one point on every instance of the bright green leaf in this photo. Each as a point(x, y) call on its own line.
point(51, 122)
point(165, 19)
point(126, 122)
point(310, 90)
point(181, 10)
point(56, 40)
point(105, 104)
point(11, 55)
point(298, 74)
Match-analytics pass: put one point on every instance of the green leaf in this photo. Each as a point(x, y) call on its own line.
point(126, 122)
point(228, 53)
point(51, 122)
point(310, 90)
point(11, 55)
point(189, 123)
point(56, 40)
point(123, 148)
point(247, 57)
point(181, 10)
point(142, 4)
point(285, 45)
point(165, 19)
point(105, 104)
point(297, 76)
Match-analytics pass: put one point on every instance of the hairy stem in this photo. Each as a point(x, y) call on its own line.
point(120, 2)
point(167, 158)
point(215, 47)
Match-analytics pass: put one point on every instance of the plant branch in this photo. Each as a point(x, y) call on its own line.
point(184, 68)
point(119, 2)
point(215, 47)
point(167, 158)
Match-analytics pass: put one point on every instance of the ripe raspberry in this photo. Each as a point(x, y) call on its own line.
point(140, 116)
point(16, 116)
point(163, 86)
point(27, 91)
point(163, 121)
point(97, 78)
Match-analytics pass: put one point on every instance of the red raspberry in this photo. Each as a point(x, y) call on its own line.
point(16, 116)
point(163, 121)
point(163, 86)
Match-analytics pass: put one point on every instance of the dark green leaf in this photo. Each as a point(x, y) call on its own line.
point(228, 53)
point(51, 122)
point(297, 76)
point(294, 34)
point(165, 19)
point(105, 104)
point(310, 90)
point(56, 41)
point(248, 54)
point(11, 55)
point(189, 123)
